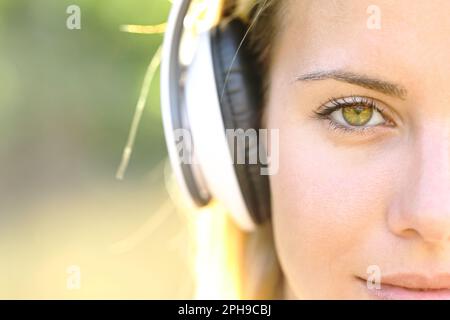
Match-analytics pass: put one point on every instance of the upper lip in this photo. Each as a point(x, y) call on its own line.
point(417, 281)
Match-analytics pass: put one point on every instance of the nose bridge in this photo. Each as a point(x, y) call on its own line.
point(426, 208)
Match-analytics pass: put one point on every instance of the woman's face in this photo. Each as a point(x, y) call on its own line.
point(360, 95)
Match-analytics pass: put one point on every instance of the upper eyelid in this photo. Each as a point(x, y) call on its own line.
point(336, 102)
point(377, 104)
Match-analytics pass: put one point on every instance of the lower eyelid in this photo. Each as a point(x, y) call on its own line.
point(351, 132)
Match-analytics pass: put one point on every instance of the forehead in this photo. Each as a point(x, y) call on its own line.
point(412, 38)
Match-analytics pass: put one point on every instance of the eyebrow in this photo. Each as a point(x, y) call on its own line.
point(361, 80)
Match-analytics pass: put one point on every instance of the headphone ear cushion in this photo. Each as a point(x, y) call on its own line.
point(239, 87)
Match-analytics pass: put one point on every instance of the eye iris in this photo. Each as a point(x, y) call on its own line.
point(357, 115)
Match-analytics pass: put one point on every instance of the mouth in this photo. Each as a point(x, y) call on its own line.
point(410, 287)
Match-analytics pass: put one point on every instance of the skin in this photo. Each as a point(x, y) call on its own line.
point(343, 201)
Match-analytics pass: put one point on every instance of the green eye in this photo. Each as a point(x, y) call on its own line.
point(357, 115)
point(353, 113)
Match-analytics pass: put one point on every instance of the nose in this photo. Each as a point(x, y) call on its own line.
point(423, 208)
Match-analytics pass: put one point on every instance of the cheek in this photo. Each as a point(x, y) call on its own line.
point(329, 203)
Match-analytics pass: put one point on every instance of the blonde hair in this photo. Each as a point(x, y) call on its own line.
point(230, 263)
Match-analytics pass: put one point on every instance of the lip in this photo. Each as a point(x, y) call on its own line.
point(411, 286)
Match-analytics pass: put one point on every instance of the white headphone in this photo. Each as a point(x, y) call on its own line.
point(219, 90)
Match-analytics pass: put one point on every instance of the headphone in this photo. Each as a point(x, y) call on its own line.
point(219, 90)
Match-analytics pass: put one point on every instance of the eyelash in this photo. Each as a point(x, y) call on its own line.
point(334, 104)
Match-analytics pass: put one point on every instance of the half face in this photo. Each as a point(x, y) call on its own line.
point(360, 95)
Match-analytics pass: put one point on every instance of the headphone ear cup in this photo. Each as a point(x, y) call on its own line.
point(239, 86)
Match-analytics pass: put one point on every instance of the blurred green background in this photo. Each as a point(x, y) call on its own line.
point(67, 98)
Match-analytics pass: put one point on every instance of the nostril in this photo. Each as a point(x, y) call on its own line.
point(410, 233)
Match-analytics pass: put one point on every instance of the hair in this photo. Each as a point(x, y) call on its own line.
point(264, 24)
point(231, 263)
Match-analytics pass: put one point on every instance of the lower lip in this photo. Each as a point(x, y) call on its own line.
point(389, 292)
